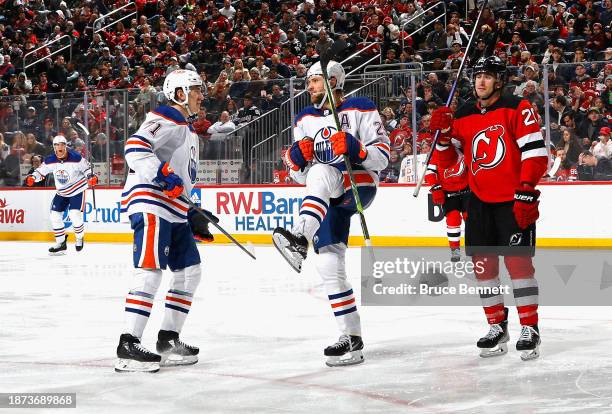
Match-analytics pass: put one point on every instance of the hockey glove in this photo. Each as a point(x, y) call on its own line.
point(344, 143)
point(442, 120)
point(199, 225)
point(92, 180)
point(526, 206)
point(437, 194)
point(300, 153)
point(171, 184)
point(30, 180)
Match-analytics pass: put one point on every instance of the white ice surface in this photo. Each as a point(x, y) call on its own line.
point(261, 329)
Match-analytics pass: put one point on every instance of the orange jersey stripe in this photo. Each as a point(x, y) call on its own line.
point(183, 301)
point(147, 193)
point(316, 207)
point(139, 302)
point(346, 302)
point(149, 258)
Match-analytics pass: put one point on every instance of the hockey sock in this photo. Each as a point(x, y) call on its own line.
point(453, 228)
point(76, 216)
point(139, 301)
point(486, 269)
point(312, 213)
point(179, 297)
point(525, 288)
point(57, 223)
point(330, 264)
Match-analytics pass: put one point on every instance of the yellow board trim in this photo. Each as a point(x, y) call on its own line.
point(264, 239)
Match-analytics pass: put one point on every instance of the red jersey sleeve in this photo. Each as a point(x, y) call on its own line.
point(534, 156)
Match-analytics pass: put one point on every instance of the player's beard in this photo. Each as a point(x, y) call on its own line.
point(317, 98)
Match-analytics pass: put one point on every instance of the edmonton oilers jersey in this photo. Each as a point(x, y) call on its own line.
point(70, 174)
point(359, 117)
point(166, 136)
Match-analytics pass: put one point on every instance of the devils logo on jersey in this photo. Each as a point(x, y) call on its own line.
point(456, 170)
point(488, 149)
point(322, 148)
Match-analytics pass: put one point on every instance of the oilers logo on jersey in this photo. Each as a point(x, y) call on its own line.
point(62, 176)
point(323, 152)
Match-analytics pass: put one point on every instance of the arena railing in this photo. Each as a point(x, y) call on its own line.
point(422, 13)
point(46, 45)
point(100, 20)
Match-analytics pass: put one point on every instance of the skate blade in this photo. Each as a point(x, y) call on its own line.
point(174, 360)
point(350, 358)
point(499, 350)
point(130, 365)
point(294, 260)
point(530, 354)
point(61, 253)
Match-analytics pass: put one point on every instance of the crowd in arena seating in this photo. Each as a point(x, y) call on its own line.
point(245, 51)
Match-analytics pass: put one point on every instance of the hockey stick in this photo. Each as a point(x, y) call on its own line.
point(334, 50)
point(212, 220)
point(86, 132)
point(450, 98)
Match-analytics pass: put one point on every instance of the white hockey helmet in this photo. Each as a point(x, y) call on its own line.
point(60, 139)
point(334, 70)
point(180, 78)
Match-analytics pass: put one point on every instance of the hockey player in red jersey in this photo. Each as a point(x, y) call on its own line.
point(505, 156)
point(449, 188)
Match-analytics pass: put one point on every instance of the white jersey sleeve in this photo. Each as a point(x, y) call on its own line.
point(371, 131)
point(299, 176)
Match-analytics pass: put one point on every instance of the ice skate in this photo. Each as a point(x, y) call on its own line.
point(133, 357)
point(455, 255)
point(79, 245)
point(495, 342)
point(59, 249)
point(529, 342)
point(347, 351)
point(293, 247)
point(175, 352)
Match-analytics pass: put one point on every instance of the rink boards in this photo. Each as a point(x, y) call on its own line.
point(570, 214)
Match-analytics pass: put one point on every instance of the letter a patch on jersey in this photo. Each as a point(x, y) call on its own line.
point(488, 149)
point(345, 125)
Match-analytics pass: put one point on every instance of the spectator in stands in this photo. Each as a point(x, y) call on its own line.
point(218, 134)
point(591, 168)
point(228, 11)
point(436, 40)
point(274, 99)
point(603, 147)
point(36, 161)
point(9, 167)
point(99, 148)
point(33, 147)
point(591, 125)
point(570, 145)
point(238, 87)
point(391, 173)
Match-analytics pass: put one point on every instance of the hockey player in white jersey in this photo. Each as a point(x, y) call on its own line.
point(72, 173)
point(163, 157)
point(316, 159)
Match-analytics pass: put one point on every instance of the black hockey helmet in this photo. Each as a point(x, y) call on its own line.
point(492, 65)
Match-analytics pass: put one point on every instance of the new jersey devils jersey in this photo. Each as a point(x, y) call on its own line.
point(502, 145)
point(359, 117)
point(166, 136)
point(453, 178)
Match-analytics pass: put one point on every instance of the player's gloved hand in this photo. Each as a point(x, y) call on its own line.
point(442, 119)
point(344, 143)
point(300, 153)
point(437, 194)
point(171, 184)
point(92, 180)
point(526, 206)
point(199, 225)
point(30, 180)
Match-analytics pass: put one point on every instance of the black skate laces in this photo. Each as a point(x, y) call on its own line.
point(142, 349)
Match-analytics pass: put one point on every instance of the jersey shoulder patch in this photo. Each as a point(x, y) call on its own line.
point(308, 111)
point(358, 103)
